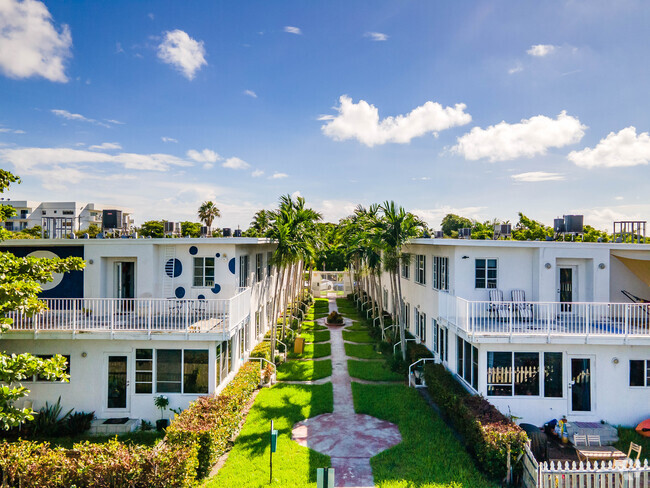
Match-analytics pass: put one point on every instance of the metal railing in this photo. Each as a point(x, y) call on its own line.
point(412, 378)
point(137, 315)
point(485, 318)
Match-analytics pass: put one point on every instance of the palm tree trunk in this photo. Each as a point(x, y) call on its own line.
point(381, 306)
point(274, 323)
point(402, 322)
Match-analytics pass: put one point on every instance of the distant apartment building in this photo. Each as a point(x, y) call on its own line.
point(64, 218)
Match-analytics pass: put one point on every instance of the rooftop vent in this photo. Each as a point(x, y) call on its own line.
point(227, 232)
point(237, 233)
point(465, 233)
point(438, 234)
point(502, 230)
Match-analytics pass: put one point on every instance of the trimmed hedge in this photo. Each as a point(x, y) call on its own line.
point(262, 350)
point(487, 432)
point(113, 464)
point(209, 423)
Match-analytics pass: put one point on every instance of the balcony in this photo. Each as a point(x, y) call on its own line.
point(95, 317)
point(575, 322)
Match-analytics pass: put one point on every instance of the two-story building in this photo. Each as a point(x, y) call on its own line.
point(541, 329)
point(146, 317)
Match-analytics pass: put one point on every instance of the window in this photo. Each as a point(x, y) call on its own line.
point(406, 311)
point(168, 370)
point(269, 258)
point(68, 212)
point(518, 374)
point(639, 372)
point(420, 325)
point(406, 266)
point(420, 264)
point(440, 341)
point(385, 298)
point(51, 356)
point(259, 268)
point(436, 343)
point(486, 273)
point(467, 362)
point(258, 325)
point(195, 371)
point(440, 273)
point(243, 271)
point(222, 361)
point(144, 370)
point(203, 271)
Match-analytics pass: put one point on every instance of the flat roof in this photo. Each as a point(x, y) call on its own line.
point(140, 241)
point(529, 244)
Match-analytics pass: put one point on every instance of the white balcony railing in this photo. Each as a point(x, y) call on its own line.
point(149, 315)
point(484, 318)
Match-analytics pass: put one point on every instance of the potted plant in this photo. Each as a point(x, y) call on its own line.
point(268, 376)
point(161, 402)
point(334, 318)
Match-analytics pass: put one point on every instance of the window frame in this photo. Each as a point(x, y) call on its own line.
point(405, 268)
point(646, 373)
point(154, 372)
point(204, 278)
point(244, 262)
point(259, 267)
point(541, 380)
point(420, 275)
point(151, 361)
point(440, 273)
point(486, 278)
point(37, 379)
point(467, 362)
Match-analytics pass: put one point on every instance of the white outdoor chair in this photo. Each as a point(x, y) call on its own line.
point(524, 310)
point(579, 440)
point(498, 308)
point(593, 440)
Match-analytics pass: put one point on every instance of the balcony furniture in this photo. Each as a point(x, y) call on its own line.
point(599, 453)
point(498, 309)
point(523, 310)
point(593, 440)
point(627, 461)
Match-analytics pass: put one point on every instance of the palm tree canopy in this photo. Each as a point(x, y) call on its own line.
point(208, 211)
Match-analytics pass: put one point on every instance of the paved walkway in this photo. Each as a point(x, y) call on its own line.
point(350, 439)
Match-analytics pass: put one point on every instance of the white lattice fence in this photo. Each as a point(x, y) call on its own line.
point(596, 475)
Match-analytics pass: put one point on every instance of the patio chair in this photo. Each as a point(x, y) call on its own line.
point(579, 440)
point(523, 310)
point(623, 463)
point(593, 440)
point(498, 308)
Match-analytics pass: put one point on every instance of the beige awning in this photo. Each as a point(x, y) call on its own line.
point(640, 267)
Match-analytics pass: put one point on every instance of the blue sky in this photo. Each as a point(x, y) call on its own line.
point(480, 108)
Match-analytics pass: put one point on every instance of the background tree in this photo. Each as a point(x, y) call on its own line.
point(260, 225)
point(20, 284)
point(190, 229)
point(152, 228)
point(92, 231)
point(529, 229)
point(452, 222)
point(208, 211)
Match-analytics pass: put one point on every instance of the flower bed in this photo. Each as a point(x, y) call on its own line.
point(488, 434)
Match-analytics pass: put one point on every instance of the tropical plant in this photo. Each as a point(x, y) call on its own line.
point(161, 402)
point(190, 229)
point(334, 318)
point(152, 228)
point(49, 421)
point(79, 422)
point(260, 224)
point(207, 212)
point(92, 231)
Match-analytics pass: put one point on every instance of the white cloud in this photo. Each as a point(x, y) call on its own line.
point(278, 176)
point(296, 194)
point(182, 52)
point(257, 173)
point(619, 198)
point(434, 216)
point(292, 30)
point(622, 149)
point(235, 163)
point(535, 176)
point(530, 137)
point(113, 121)
point(421, 178)
point(335, 210)
point(205, 156)
point(516, 69)
point(376, 36)
point(541, 50)
point(80, 118)
point(361, 121)
point(6, 130)
point(250, 93)
point(106, 146)
point(30, 45)
point(169, 139)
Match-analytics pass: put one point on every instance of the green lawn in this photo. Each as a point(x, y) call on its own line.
point(373, 371)
point(293, 465)
point(627, 435)
point(357, 326)
point(363, 351)
point(357, 336)
point(429, 456)
point(312, 351)
point(142, 438)
point(316, 336)
point(311, 325)
point(304, 370)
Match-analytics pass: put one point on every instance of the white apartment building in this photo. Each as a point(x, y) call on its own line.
point(146, 317)
point(70, 216)
point(541, 329)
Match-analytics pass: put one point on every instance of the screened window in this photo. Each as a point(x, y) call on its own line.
point(259, 267)
point(269, 257)
point(168, 370)
point(406, 267)
point(443, 343)
point(436, 343)
point(243, 271)
point(422, 327)
point(51, 356)
point(144, 370)
point(203, 271)
point(485, 275)
point(420, 265)
point(499, 373)
point(553, 375)
point(440, 273)
point(467, 362)
point(639, 372)
point(195, 371)
point(526, 370)
point(519, 374)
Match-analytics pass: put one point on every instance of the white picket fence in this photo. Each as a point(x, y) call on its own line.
point(587, 475)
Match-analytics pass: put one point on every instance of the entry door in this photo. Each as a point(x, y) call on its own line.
point(567, 288)
point(124, 283)
point(117, 382)
point(580, 384)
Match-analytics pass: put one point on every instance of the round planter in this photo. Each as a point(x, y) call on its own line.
point(335, 325)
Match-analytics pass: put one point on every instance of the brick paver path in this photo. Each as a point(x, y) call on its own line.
point(350, 439)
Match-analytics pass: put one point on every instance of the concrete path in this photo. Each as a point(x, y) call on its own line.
point(350, 439)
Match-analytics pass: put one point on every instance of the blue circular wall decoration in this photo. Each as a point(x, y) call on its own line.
point(218, 255)
point(216, 288)
point(193, 250)
point(173, 268)
point(201, 297)
point(179, 292)
point(231, 265)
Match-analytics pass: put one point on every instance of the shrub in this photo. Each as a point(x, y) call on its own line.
point(488, 434)
point(50, 421)
point(79, 422)
point(334, 318)
point(209, 423)
point(417, 351)
point(262, 350)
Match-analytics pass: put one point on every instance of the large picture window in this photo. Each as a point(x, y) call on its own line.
point(203, 271)
point(519, 374)
point(639, 372)
point(485, 273)
point(51, 356)
point(179, 371)
point(168, 371)
point(420, 269)
point(195, 371)
point(440, 273)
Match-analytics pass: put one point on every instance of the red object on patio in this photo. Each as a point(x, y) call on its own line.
point(644, 428)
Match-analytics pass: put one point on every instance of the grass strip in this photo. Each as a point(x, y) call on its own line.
point(293, 465)
point(304, 370)
point(311, 351)
point(357, 336)
point(316, 336)
point(363, 351)
point(429, 456)
point(372, 371)
point(311, 325)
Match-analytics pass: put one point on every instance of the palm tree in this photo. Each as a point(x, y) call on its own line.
point(260, 224)
point(208, 211)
